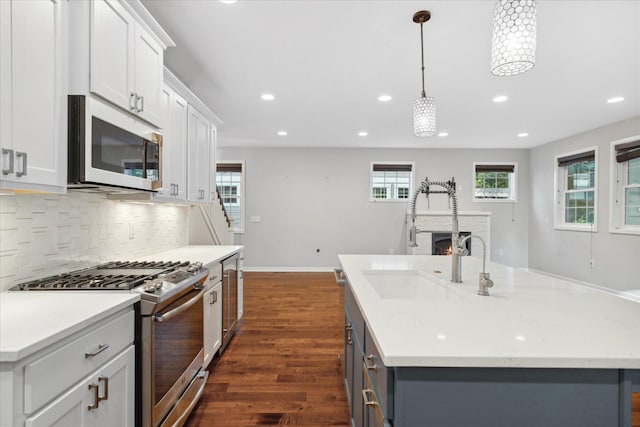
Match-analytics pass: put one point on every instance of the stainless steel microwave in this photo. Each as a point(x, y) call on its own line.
point(110, 150)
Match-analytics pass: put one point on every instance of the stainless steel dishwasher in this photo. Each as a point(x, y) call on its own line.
point(229, 299)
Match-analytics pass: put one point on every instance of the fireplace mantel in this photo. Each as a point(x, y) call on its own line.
point(476, 222)
point(448, 213)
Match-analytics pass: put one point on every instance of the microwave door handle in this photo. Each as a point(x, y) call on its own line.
point(176, 311)
point(145, 147)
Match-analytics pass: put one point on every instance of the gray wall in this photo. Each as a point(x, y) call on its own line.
point(567, 253)
point(311, 199)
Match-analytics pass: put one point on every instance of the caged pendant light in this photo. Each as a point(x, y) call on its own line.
point(513, 46)
point(424, 109)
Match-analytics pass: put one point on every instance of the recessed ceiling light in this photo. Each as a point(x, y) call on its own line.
point(363, 133)
point(443, 134)
point(500, 98)
point(267, 97)
point(615, 99)
point(522, 134)
point(384, 98)
point(282, 132)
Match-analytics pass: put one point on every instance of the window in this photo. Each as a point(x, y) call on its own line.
point(391, 181)
point(494, 182)
point(575, 196)
point(625, 186)
point(230, 183)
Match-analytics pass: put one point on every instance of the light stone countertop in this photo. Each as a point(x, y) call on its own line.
point(195, 253)
point(31, 321)
point(530, 319)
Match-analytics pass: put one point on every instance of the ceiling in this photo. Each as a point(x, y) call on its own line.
point(326, 62)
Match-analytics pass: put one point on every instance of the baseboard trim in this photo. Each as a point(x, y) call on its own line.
point(289, 269)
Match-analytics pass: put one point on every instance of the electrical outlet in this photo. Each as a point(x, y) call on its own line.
point(592, 263)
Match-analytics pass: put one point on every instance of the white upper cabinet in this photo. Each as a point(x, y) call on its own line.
point(33, 105)
point(174, 148)
point(198, 146)
point(126, 61)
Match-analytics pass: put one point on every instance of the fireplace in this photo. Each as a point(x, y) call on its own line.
point(441, 242)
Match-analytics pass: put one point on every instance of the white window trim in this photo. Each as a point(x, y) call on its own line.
point(242, 195)
point(387, 162)
point(558, 204)
point(513, 185)
point(616, 214)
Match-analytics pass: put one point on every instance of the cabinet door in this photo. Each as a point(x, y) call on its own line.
point(177, 149)
point(198, 156)
point(34, 106)
point(212, 322)
point(112, 53)
point(114, 406)
point(167, 162)
point(148, 56)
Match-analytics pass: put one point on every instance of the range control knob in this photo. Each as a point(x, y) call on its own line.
point(152, 286)
point(194, 267)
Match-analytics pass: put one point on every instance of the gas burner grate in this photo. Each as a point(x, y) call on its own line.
point(142, 264)
point(115, 275)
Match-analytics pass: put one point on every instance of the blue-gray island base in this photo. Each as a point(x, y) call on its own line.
point(475, 396)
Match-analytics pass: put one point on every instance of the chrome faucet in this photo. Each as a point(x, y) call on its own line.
point(485, 280)
point(450, 190)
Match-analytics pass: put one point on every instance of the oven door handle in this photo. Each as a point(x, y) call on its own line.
point(176, 311)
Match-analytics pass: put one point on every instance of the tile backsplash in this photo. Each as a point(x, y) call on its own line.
point(43, 235)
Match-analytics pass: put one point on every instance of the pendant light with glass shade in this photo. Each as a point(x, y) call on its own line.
point(424, 109)
point(513, 45)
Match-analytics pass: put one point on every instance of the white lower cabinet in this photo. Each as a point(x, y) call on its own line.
point(212, 322)
point(106, 398)
point(86, 379)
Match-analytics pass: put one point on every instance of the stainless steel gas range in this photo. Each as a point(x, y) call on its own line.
point(169, 330)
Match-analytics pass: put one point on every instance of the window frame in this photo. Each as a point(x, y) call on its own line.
point(513, 182)
point(617, 181)
point(240, 194)
point(399, 163)
point(560, 177)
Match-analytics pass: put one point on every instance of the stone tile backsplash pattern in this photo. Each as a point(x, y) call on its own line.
point(44, 235)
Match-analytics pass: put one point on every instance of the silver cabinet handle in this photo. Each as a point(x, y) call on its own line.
point(10, 153)
point(23, 172)
point(101, 348)
point(177, 189)
point(348, 328)
point(96, 398)
point(141, 98)
point(365, 398)
point(105, 381)
point(369, 362)
point(133, 97)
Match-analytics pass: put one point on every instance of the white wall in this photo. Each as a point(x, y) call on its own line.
point(567, 253)
point(311, 199)
point(44, 235)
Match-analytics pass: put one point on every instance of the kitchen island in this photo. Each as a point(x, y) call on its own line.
point(539, 350)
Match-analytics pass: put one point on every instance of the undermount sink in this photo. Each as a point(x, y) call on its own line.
point(407, 284)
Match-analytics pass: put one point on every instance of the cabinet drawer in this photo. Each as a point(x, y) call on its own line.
point(356, 317)
point(50, 375)
point(381, 376)
point(215, 272)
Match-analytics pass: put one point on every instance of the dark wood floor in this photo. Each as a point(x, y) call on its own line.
point(283, 366)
